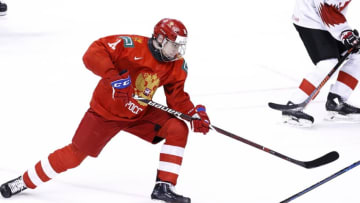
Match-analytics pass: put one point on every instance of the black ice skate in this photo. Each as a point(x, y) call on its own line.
point(3, 9)
point(12, 187)
point(165, 191)
point(339, 109)
point(297, 117)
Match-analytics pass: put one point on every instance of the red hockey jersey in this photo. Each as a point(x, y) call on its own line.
point(110, 55)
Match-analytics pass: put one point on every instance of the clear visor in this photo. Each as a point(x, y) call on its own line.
point(174, 50)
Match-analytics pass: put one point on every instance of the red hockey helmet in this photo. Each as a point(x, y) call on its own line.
point(171, 34)
point(171, 29)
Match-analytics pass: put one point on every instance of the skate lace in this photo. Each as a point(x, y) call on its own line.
point(17, 186)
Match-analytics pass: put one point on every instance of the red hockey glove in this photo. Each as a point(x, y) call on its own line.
point(121, 85)
point(351, 39)
point(201, 121)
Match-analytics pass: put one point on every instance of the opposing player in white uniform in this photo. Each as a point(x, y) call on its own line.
point(326, 35)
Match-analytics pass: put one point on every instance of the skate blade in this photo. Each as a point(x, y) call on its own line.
point(293, 121)
point(334, 116)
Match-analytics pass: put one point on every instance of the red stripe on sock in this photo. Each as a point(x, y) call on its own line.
point(28, 182)
point(40, 172)
point(307, 87)
point(347, 79)
point(168, 177)
point(171, 158)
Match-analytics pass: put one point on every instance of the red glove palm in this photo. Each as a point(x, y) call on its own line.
point(121, 85)
point(201, 121)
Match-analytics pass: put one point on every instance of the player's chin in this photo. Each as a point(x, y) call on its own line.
point(170, 56)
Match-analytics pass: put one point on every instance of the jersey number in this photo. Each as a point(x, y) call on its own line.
point(128, 42)
point(113, 45)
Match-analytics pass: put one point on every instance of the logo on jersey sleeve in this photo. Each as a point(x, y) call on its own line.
point(138, 40)
point(128, 42)
point(121, 84)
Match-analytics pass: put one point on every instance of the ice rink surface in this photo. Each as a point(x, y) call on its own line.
point(241, 55)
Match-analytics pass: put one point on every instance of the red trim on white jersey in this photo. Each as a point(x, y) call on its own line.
point(326, 15)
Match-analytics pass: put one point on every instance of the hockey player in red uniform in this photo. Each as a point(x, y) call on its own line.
point(326, 34)
point(128, 65)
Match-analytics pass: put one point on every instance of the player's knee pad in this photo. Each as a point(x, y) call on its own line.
point(175, 132)
point(66, 158)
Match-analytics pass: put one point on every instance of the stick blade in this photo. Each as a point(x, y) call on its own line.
point(327, 158)
point(282, 107)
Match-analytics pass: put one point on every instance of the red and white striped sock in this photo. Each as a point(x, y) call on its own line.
point(170, 163)
point(312, 80)
point(57, 162)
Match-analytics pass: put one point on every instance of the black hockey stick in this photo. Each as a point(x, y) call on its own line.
point(321, 182)
point(327, 158)
point(303, 104)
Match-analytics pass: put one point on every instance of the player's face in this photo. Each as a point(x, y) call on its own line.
point(173, 50)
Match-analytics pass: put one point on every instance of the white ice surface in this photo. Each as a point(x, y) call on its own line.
point(241, 55)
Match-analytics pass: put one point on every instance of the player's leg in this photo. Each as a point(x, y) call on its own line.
point(91, 136)
point(57, 162)
point(156, 126)
point(171, 156)
point(324, 53)
point(341, 91)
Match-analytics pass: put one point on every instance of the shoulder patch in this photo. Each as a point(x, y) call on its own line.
point(128, 42)
point(185, 67)
point(138, 40)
